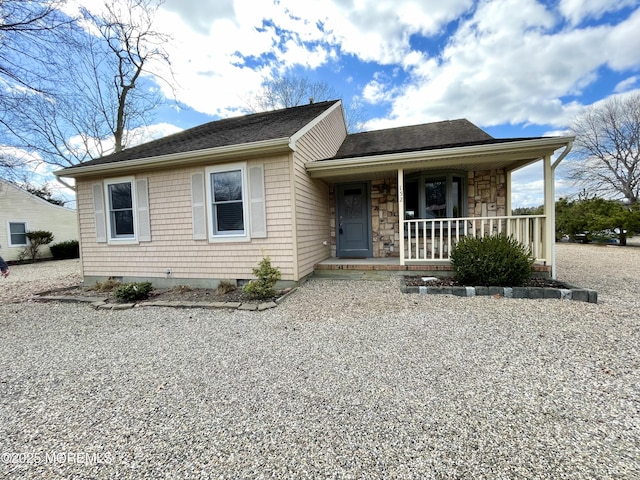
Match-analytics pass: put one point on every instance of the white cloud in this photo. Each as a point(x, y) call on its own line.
point(578, 10)
point(215, 48)
point(509, 64)
point(626, 84)
point(527, 186)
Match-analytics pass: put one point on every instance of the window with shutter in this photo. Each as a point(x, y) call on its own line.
point(235, 200)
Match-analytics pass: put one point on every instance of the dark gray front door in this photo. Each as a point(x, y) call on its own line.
point(353, 222)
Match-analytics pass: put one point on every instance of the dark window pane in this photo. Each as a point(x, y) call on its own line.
point(411, 200)
point(229, 217)
point(227, 186)
point(436, 198)
point(18, 233)
point(353, 203)
point(120, 195)
point(122, 221)
point(18, 228)
point(457, 197)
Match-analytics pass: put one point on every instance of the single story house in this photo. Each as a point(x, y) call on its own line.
point(22, 212)
point(208, 203)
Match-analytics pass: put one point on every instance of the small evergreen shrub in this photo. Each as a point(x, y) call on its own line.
point(266, 278)
point(129, 292)
point(65, 250)
point(495, 260)
point(37, 238)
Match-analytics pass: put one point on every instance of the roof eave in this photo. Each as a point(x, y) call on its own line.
point(226, 153)
point(438, 157)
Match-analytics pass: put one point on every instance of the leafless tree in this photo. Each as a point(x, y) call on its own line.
point(291, 91)
point(25, 40)
point(28, 33)
point(104, 88)
point(607, 148)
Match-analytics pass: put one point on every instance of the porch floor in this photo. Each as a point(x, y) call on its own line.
point(383, 268)
point(375, 268)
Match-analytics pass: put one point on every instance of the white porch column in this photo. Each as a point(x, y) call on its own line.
point(401, 212)
point(507, 208)
point(550, 215)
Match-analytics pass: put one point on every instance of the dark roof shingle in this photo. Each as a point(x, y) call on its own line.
point(251, 128)
point(413, 138)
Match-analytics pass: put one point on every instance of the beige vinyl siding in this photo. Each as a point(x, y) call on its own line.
point(312, 195)
point(172, 244)
point(21, 206)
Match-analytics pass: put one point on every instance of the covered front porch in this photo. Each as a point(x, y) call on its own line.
point(405, 212)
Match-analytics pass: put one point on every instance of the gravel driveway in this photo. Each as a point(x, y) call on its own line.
point(343, 380)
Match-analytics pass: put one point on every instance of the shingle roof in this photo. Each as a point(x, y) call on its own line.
point(256, 127)
point(413, 138)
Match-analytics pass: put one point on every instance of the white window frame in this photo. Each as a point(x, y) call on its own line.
point(107, 206)
point(227, 237)
point(26, 229)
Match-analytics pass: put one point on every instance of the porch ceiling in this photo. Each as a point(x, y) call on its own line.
point(508, 156)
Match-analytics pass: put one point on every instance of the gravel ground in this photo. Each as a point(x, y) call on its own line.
point(28, 279)
point(343, 380)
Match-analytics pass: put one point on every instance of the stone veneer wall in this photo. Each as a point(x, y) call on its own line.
point(487, 191)
point(384, 218)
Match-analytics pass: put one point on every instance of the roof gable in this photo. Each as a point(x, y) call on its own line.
point(6, 187)
point(241, 130)
point(413, 138)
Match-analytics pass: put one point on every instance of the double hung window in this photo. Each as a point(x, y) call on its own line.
point(121, 216)
point(227, 202)
point(18, 234)
point(121, 210)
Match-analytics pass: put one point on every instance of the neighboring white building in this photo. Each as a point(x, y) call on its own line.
point(22, 212)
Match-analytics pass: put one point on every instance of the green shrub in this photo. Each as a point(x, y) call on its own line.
point(37, 238)
point(495, 260)
point(266, 278)
point(129, 292)
point(65, 250)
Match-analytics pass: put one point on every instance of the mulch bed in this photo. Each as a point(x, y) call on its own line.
point(417, 281)
point(176, 294)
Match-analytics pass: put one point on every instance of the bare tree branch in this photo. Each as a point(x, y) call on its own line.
point(607, 148)
point(101, 86)
point(291, 91)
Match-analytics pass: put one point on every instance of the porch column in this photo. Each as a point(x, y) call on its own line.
point(401, 212)
point(550, 215)
point(508, 210)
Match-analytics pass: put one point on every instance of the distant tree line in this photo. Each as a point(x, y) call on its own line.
point(592, 219)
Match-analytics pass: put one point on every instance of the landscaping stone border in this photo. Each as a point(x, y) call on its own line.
point(568, 293)
point(101, 303)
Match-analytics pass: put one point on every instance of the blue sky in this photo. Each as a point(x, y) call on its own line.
point(513, 67)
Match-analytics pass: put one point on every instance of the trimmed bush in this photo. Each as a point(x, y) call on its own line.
point(267, 276)
point(37, 238)
point(65, 250)
point(495, 260)
point(129, 292)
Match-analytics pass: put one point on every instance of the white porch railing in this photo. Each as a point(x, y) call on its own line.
point(428, 240)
